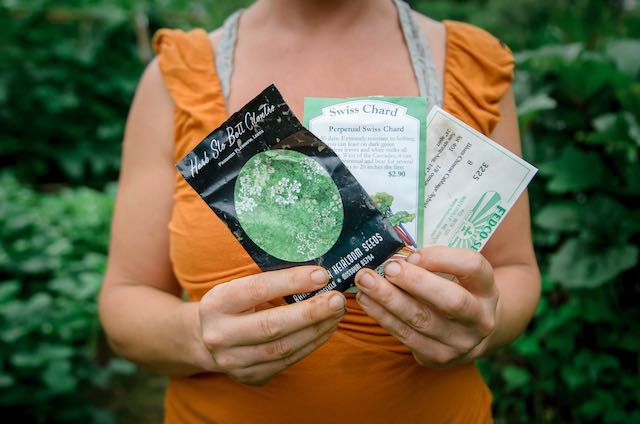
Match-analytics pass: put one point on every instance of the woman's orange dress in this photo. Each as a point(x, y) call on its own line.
point(362, 374)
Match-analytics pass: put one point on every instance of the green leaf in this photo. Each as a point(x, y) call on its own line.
point(382, 201)
point(576, 265)
point(617, 132)
point(8, 290)
point(532, 106)
point(559, 216)
point(515, 377)
point(599, 216)
point(6, 380)
point(401, 217)
point(58, 375)
point(574, 170)
point(547, 54)
point(626, 55)
point(573, 377)
point(122, 367)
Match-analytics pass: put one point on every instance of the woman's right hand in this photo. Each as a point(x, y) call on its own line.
point(251, 344)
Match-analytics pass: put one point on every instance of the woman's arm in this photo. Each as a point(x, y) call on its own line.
point(510, 250)
point(445, 322)
point(140, 308)
point(229, 330)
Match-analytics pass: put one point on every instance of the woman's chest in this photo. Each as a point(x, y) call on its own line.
point(351, 69)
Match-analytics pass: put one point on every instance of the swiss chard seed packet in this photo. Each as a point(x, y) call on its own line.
point(382, 141)
point(286, 196)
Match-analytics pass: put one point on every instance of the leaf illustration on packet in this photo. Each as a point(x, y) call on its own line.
point(286, 196)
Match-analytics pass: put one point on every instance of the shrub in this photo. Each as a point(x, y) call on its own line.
point(52, 257)
point(579, 361)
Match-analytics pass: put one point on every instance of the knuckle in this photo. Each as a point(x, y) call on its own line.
point(404, 332)
point(289, 360)
point(487, 325)
point(211, 299)
point(385, 295)
point(243, 376)
point(318, 329)
point(459, 304)
point(270, 327)
point(477, 263)
point(213, 340)
point(420, 320)
point(256, 290)
point(226, 362)
point(465, 345)
point(310, 310)
point(444, 358)
point(280, 348)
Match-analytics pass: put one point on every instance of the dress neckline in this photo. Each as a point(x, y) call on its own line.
point(417, 45)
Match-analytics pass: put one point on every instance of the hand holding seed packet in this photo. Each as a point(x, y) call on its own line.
point(291, 200)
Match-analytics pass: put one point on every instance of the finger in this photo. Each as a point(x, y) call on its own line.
point(406, 308)
point(471, 268)
point(261, 373)
point(246, 356)
point(245, 293)
point(433, 353)
point(275, 323)
point(446, 296)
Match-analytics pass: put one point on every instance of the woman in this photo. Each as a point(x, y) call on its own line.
point(403, 349)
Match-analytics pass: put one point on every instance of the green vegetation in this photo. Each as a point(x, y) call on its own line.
point(67, 74)
point(383, 202)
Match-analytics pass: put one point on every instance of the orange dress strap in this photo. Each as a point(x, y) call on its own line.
point(203, 250)
point(187, 66)
point(478, 72)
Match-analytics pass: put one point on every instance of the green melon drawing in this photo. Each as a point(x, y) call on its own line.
point(288, 205)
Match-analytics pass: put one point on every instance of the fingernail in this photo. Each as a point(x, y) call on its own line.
point(337, 302)
point(366, 281)
point(319, 276)
point(392, 269)
point(414, 259)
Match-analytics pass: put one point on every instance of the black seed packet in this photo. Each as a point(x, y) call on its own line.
point(286, 196)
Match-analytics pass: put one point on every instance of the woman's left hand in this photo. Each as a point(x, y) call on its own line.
point(443, 322)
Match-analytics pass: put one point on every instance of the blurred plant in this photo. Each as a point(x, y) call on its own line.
point(52, 257)
point(68, 70)
point(580, 361)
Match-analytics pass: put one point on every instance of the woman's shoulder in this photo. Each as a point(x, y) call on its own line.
point(477, 69)
point(454, 38)
point(186, 62)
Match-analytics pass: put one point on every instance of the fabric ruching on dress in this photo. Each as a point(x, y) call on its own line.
point(478, 72)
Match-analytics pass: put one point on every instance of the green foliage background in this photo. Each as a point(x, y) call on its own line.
point(67, 73)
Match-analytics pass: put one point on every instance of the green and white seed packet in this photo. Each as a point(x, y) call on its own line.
point(471, 183)
point(445, 182)
point(382, 142)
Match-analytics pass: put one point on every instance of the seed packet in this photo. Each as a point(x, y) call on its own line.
point(471, 183)
point(286, 196)
point(382, 141)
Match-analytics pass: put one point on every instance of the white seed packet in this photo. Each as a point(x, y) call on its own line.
point(471, 183)
point(382, 142)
